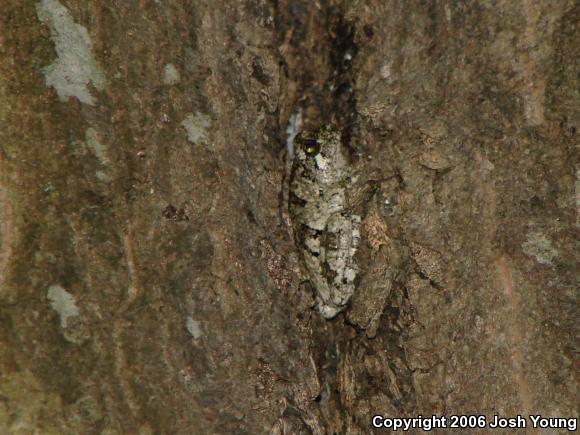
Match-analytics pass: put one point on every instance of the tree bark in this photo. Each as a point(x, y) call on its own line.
point(149, 277)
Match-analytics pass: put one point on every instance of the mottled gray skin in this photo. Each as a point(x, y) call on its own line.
point(326, 231)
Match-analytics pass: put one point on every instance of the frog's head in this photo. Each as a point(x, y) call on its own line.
point(319, 149)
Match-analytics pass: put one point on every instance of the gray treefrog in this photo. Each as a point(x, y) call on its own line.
point(326, 231)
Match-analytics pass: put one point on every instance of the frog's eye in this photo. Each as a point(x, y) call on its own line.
point(311, 147)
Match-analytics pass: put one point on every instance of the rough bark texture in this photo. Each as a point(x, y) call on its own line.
point(149, 280)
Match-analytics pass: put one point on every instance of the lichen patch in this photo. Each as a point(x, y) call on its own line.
point(63, 303)
point(540, 247)
point(196, 127)
point(171, 75)
point(75, 65)
point(194, 328)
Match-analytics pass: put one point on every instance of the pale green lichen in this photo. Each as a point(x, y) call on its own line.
point(196, 127)
point(93, 142)
point(540, 247)
point(63, 303)
point(171, 75)
point(194, 328)
point(75, 65)
point(100, 152)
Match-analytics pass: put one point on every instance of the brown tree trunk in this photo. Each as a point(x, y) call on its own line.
point(149, 277)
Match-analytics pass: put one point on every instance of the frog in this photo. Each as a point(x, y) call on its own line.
point(326, 229)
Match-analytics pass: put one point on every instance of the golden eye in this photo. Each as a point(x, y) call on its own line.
point(311, 147)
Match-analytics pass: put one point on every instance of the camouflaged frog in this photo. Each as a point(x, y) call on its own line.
point(326, 231)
